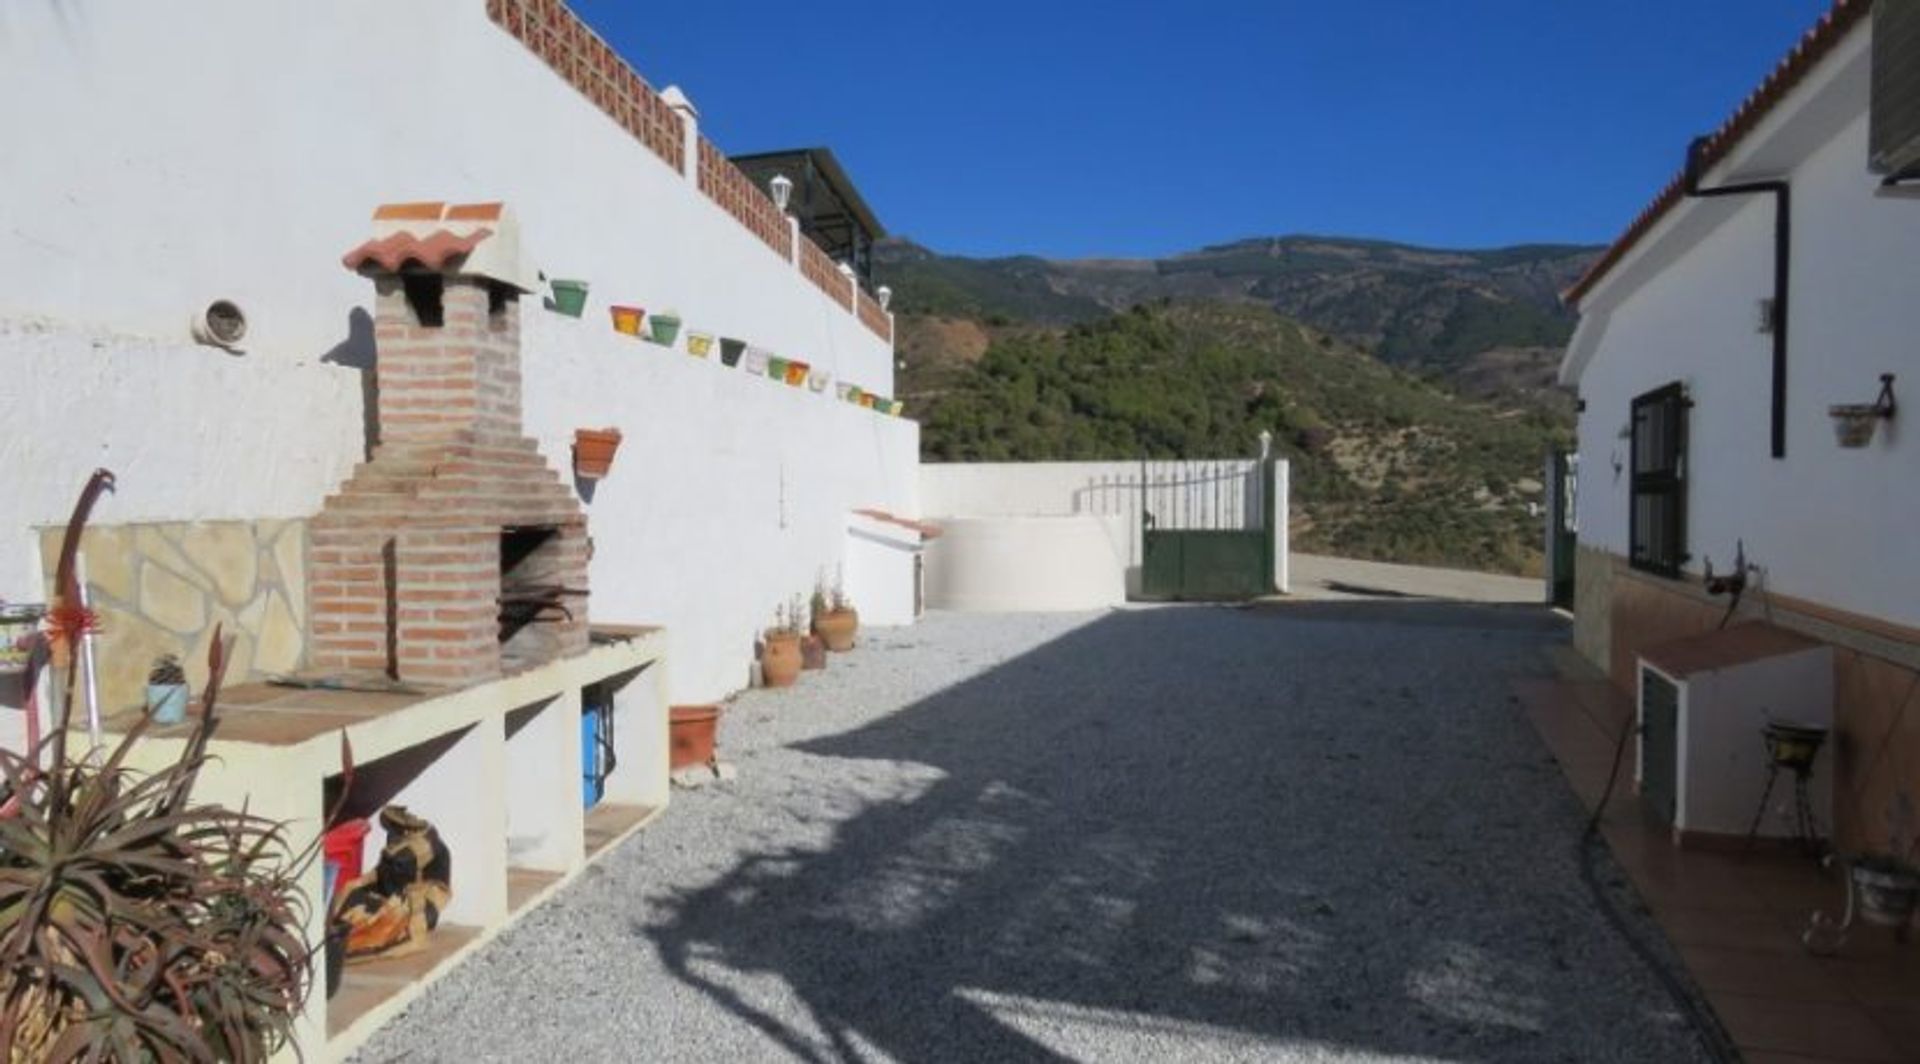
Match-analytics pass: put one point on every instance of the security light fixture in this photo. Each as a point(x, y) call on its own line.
point(885, 296)
point(782, 188)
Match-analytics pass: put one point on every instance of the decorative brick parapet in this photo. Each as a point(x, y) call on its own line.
point(564, 42)
point(825, 274)
point(735, 192)
point(877, 321)
point(554, 33)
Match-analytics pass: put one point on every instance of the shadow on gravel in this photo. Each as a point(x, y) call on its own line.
point(1201, 833)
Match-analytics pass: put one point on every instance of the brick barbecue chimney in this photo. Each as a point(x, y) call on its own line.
point(455, 555)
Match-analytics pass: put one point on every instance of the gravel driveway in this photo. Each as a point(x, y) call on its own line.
point(1305, 832)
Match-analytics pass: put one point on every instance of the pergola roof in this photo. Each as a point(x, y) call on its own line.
point(836, 202)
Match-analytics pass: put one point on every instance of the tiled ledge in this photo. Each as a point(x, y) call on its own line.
point(1735, 918)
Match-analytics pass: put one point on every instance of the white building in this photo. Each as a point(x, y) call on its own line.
point(158, 169)
point(1769, 282)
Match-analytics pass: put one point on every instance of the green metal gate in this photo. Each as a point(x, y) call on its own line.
point(1206, 533)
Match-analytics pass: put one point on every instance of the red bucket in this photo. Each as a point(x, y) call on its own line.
point(343, 844)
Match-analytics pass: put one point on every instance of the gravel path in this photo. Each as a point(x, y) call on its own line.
point(1307, 832)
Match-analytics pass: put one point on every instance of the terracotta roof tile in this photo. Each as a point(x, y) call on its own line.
point(927, 529)
point(408, 212)
point(474, 212)
point(1812, 47)
point(432, 252)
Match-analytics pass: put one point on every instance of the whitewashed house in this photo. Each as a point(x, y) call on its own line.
point(1772, 280)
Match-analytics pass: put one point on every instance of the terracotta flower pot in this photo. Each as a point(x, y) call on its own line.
point(837, 628)
point(780, 659)
point(690, 735)
point(813, 652)
point(797, 373)
point(593, 452)
point(627, 319)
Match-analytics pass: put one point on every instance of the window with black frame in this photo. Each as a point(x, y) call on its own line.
point(1658, 521)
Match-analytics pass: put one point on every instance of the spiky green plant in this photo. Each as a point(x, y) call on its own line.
point(136, 924)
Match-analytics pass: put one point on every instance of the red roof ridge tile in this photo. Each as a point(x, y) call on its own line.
point(1813, 46)
point(434, 251)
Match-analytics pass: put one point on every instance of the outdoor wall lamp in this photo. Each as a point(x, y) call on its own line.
point(782, 188)
point(1853, 423)
point(885, 295)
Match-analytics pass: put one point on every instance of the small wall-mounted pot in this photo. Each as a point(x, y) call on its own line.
point(593, 451)
point(755, 361)
point(220, 324)
point(663, 329)
point(776, 367)
point(569, 297)
point(626, 320)
point(868, 400)
point(846, 391)
point(818, 380)
point(797, 372)
point(731, 350)
point(1853, 423)
point(699, 344)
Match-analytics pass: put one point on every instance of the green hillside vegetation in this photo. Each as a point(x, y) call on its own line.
point(1385, 465)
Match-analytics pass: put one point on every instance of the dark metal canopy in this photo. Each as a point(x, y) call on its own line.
point(827, 205)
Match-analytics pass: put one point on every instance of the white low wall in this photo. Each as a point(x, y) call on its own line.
point(243, 158)
point(1215, 493)
point(1013, 564)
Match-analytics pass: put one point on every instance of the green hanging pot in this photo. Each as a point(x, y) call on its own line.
point(776, 367)
point(663, 329)
point(569, 297)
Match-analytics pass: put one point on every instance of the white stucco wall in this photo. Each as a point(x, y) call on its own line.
point(155, 169)
point(1829, 525)
point(1216, 493)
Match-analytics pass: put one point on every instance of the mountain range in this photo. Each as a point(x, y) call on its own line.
point(1412, 388)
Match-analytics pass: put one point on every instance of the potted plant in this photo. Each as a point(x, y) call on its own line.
point(780, 650)
point(145, 925)
point(626, 320)
point(593, 451)
point(834, 618)
point(664, 328)
point(167, 691)
point(699, 344)
point(690, 735)
point(569, 297)
point(731, 350)
point(1883, 888)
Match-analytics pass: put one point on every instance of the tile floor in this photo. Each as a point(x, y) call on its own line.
point(1735, 918)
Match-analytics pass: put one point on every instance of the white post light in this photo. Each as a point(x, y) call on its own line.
point(886, 296)
point(782, 188)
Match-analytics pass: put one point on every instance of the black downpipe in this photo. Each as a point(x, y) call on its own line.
point(1782, 264)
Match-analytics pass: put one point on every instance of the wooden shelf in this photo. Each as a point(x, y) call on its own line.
point(609, 822)
point(526, 884)
point(369, 984)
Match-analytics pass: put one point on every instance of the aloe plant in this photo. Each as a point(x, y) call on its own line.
point(135, 923)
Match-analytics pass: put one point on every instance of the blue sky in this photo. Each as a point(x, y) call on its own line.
point(986, 127)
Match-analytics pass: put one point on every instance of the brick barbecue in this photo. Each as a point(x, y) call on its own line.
point(455, 554)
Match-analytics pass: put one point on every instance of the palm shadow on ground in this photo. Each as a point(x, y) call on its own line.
point(1318, 827)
